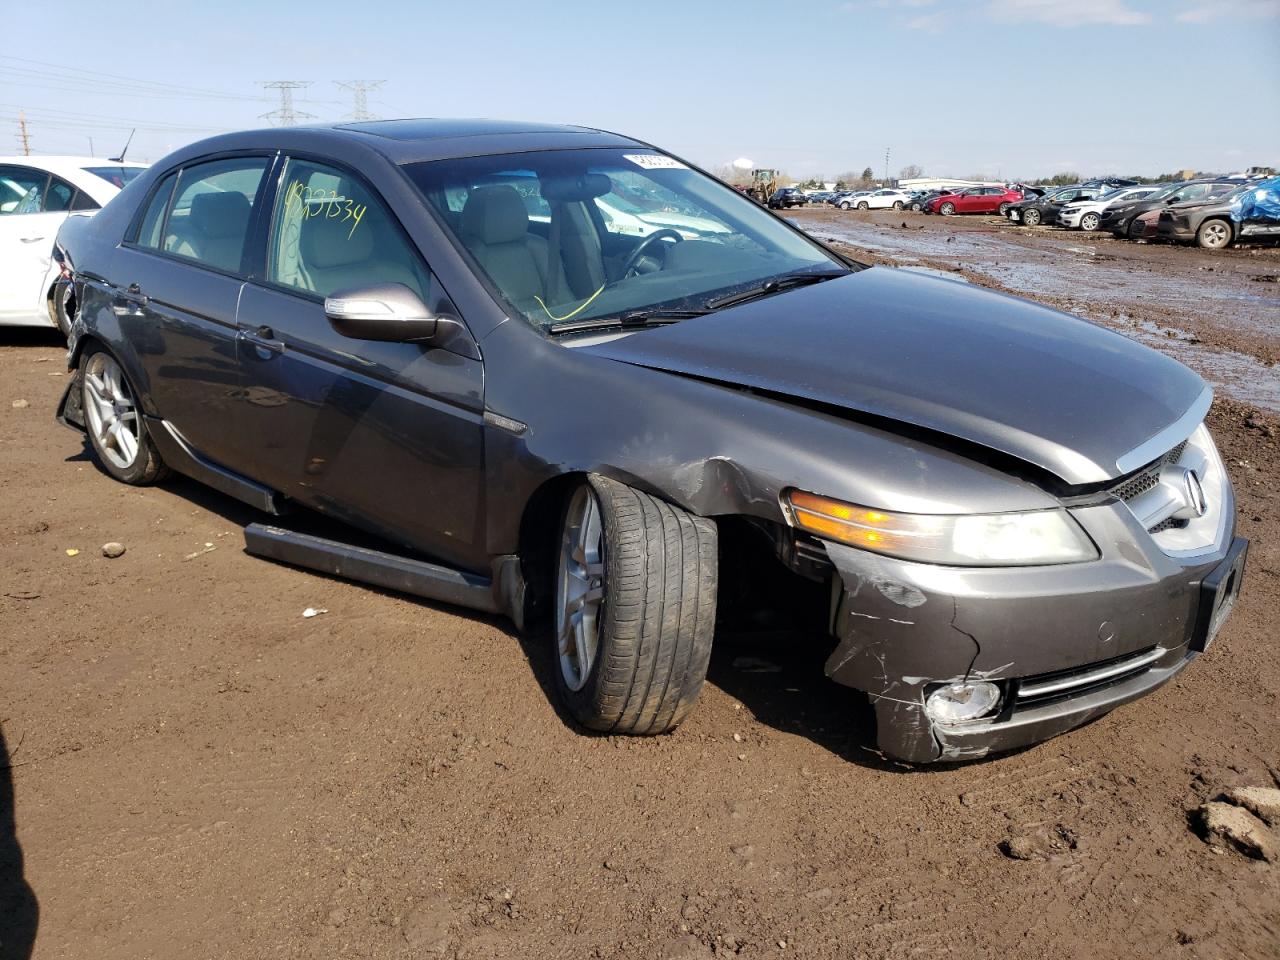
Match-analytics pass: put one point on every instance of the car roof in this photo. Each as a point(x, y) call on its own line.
point(66, 164)
point(413, 140)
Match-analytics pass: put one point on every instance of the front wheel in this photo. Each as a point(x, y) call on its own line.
point(915, 207)
point(1031, 217)
point(947, 209)
point(1089, 222)
point(897, 204)
point(635, 608)
point(1214, 235)
point(845, 206)
point(114, 422)
point(863, 206)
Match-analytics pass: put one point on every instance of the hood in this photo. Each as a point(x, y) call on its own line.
point(1043, 386)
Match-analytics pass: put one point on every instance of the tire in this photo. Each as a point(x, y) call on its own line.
point(648, 592)
point(845, 205)
point(947, 209)
point(63, 307)
point(1214, 235)
point(897, 204)
point(863, 206)
point(1089, 222)
point(114, 422)
point(1031, 217)
point(1136, 229)
point(915, 207)
point(1003, 209)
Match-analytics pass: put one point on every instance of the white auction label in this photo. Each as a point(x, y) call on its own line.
point(654, 161)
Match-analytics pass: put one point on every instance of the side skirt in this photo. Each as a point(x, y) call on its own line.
point(415, 577)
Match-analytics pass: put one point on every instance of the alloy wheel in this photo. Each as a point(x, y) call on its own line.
point(1089, 222)
point(111, 411)
point(1214, 235)
point(580, 588)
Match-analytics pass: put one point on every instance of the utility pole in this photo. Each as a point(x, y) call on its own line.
point(886, 166)
point(22, 133)
point(360, 96)
point(286, 115)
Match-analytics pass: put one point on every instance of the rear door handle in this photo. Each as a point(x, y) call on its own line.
point(129, 301)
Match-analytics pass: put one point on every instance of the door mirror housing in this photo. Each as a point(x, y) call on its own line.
point(387, 311)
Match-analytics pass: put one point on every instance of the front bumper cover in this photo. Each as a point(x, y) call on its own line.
point(903, 628)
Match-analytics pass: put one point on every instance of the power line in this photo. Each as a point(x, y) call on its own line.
point(66, 74)
point(286, 115)
point(360, 96)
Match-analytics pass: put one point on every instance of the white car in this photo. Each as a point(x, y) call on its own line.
point(876, 200)
point(1087, 214)
point(36, 195)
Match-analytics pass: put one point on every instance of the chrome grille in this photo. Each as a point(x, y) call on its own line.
point(1047, 687)
point(1149, 478)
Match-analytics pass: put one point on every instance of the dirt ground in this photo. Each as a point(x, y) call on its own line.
point(198, 770)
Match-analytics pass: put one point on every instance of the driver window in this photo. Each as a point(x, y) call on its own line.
point(329, 232)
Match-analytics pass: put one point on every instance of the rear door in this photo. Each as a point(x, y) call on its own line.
point(177, 282)
point(387, 436)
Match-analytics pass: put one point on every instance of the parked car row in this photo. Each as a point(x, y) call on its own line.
point(1213, 213)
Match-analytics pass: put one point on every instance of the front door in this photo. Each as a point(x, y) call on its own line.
point(387, 436)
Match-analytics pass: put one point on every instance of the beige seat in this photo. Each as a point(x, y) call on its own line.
point(495, 228)
point(335, 257)
point(214, 231)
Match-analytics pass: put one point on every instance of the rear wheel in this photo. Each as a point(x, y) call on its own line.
point(1003, 209)
point(897, 204)
point(1031, 217)
point(1089, 222)
point(1137, 229)
point(1214, 235)
point(64, 307)
point(845, 205)
point(947, 209)
point(635, 608)
point(915, 207)
point(114, 422)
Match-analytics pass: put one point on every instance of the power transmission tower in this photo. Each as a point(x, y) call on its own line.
point(886, 165)
point(22, 133)
point(286, 115)
point(360, 95)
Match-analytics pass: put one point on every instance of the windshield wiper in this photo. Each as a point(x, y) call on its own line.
point(633, 319)
point(772, 285)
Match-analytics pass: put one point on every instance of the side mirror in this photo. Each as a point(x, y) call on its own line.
point(1173, 200)
point(387, 311)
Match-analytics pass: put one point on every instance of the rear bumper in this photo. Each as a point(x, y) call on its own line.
point(1065, 644)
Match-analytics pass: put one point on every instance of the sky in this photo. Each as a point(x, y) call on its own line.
point(1003, 88)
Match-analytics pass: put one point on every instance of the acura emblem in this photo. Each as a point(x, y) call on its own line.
point(1195, 493)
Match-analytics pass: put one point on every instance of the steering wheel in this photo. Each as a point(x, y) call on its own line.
point(643, 246)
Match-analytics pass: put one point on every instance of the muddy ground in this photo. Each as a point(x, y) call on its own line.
point(200, 771)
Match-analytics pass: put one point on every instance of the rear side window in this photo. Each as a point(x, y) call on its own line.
point(209, 218)
point(58, 199)
point(150, 232)
point(329, 232)
point(116, 176)
point(82, 201)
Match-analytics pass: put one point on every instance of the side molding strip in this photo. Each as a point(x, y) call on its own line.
point(415, 577)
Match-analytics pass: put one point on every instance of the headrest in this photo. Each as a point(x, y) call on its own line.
point(218, 215)
point(495, 215)
point(325, 243)
point(583, 187)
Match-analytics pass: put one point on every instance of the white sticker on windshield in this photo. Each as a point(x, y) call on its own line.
point(654, 161)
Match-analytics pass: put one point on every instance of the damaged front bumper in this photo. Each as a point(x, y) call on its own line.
point(1065, 644)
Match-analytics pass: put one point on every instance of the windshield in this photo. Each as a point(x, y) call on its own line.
point(116, 176)
point(572, 235)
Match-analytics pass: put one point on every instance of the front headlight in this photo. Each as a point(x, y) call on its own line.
point(968, 540)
